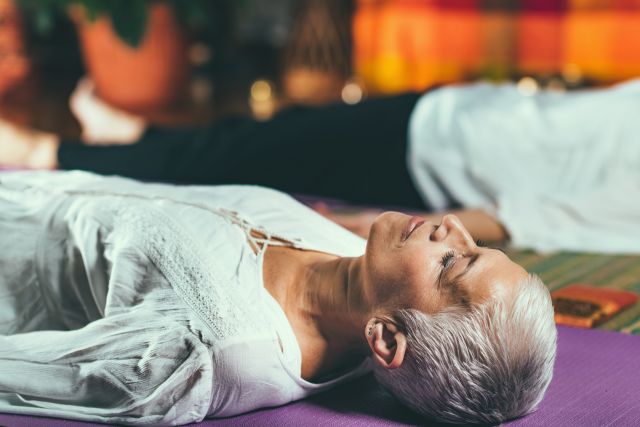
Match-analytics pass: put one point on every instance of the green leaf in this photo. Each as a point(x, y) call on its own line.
point(129, 17)
point(43, 21)
point(193, 13)
point(129, 20)
point(93, 8)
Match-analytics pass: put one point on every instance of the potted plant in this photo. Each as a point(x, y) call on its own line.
point(134, 50)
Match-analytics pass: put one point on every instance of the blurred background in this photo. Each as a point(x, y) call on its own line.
point(186, 62)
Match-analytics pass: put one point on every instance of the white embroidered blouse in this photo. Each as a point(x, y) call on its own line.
point(134, 303)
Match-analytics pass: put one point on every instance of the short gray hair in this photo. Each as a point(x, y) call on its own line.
point(483, 364)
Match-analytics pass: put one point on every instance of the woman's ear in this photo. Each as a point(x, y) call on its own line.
point(387, 342)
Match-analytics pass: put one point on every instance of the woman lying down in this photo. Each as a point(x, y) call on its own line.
point(134, 303)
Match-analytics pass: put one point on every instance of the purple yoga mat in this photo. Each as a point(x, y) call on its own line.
point(596, 383)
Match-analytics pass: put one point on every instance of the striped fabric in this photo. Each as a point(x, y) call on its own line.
point(610, 271)
point(412, 44)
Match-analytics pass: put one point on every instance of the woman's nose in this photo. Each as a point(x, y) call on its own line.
point(452, 229)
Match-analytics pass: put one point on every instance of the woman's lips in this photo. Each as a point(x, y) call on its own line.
point(414, 223)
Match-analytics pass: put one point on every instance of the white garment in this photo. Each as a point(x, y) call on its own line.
point(561, 171)
point(156, 294)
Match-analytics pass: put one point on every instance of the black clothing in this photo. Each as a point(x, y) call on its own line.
point(355, 153)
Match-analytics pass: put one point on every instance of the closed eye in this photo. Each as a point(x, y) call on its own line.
point(454, 286)
point(447, 259)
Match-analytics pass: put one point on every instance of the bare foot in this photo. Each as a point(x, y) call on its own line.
point(21, 147)
point(102, 123)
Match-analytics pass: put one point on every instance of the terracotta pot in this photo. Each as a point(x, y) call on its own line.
point(14, 65)
point(151, 76)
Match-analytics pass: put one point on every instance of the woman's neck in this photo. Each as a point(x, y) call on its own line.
point(321, 297)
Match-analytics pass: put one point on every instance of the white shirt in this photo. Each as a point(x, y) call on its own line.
point(561, 171)
point(157, 296)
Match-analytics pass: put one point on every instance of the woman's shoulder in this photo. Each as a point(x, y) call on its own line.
point(248, 375)
point(255, 373)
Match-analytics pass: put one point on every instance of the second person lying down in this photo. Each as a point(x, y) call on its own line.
point(550, 171)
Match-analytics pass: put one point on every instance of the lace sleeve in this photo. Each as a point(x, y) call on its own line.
point(135, 368)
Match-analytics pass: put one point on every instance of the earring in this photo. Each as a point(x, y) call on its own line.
point(370, 330)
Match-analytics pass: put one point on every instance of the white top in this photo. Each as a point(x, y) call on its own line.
point(561, 171)
point(157, 296)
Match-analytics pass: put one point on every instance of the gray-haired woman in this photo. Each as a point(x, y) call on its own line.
point(137, 303)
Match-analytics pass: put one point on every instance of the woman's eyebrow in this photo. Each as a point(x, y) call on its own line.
point(482, 244)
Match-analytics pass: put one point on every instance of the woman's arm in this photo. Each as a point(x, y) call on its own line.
point(21, 147)
point(131, 368)
point(480, 224)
